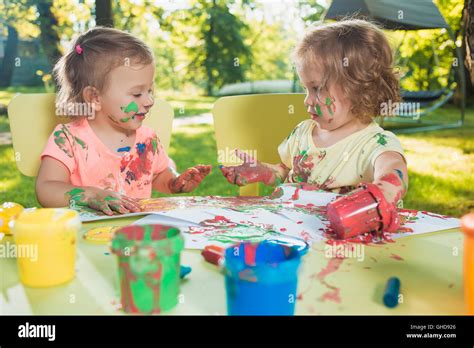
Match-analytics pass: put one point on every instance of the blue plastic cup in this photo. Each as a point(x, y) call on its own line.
point(261, 278)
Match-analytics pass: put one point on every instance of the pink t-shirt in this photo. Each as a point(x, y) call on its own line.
point(91, 163)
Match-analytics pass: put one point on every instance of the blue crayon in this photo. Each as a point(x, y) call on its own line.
point(390, 297)
point(184, 271)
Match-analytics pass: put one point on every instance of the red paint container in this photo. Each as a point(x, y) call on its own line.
point(361, 211)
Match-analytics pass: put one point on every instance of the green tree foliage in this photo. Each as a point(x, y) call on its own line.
point(426, 56)
point(213, 39)
point(271, 46)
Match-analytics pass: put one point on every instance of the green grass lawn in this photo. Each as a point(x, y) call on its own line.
point(440, 163)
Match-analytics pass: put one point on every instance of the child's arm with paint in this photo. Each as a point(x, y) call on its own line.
point(391, 175)
point(170, 181)
point(53, 189)
point(252, 171)
point(388, 187)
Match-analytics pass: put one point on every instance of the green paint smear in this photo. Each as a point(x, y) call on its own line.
point(318, 110)
point(58, 139)
point(148, 231)
point(155, 145)
point(243, 232)
point(77, 196)
point(75, 191)
point(328, 104)
point(381, 139)
point(125, 119)
point(304, 155)
point(80, 142)
point(110, 198)
point(130, 107)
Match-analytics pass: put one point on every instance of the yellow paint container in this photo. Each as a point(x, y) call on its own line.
point(46, 245)
point(467, 226)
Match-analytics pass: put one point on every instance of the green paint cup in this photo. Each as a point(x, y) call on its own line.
point(149, 264)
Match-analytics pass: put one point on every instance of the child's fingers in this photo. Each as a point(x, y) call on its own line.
point(239, 180)
point(177, 185)
point(204, 169)
point(101, 206)
point(189, 186)
point(190, 172)
point(118, 207)
point(229, 173)
point(133, 207)
point(225, 170)
point(244, 156)
point(131, 204)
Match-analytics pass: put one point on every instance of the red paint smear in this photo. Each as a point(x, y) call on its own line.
point(249, 252)
point(444, 217)
point(305, 235)
point(392, 178)
point(332, 266)
point(296, 195)
point(140, 163)
point(220, 218)
point(332, 295)
point(396, 257)
point(248, 172)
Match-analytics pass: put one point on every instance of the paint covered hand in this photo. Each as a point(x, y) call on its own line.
point(105, 201)
point(392, 185)
point(363, 210)
point(189, 179)
point(249, 172)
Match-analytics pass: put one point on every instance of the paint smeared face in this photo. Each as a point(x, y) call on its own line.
point(129, 95)
point(325, 102)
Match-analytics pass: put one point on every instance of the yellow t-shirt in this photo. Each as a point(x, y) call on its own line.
point(341, 166)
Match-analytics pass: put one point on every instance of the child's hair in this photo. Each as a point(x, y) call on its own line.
point(92, 56)
point(355, 55)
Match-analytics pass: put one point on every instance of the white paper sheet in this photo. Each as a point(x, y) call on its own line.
point(291, 212)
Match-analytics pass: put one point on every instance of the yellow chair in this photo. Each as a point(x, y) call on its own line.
point(38, 112)
point(256, 124)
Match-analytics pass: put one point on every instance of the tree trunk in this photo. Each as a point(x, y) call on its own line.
point(8, 64)
point(210, 51)
point(468, 45)
point(49, 36)
point(103, 13)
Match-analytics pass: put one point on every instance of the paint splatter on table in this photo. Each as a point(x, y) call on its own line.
point(293, 211)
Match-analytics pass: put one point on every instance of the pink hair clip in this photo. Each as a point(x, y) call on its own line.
point(79, 49)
